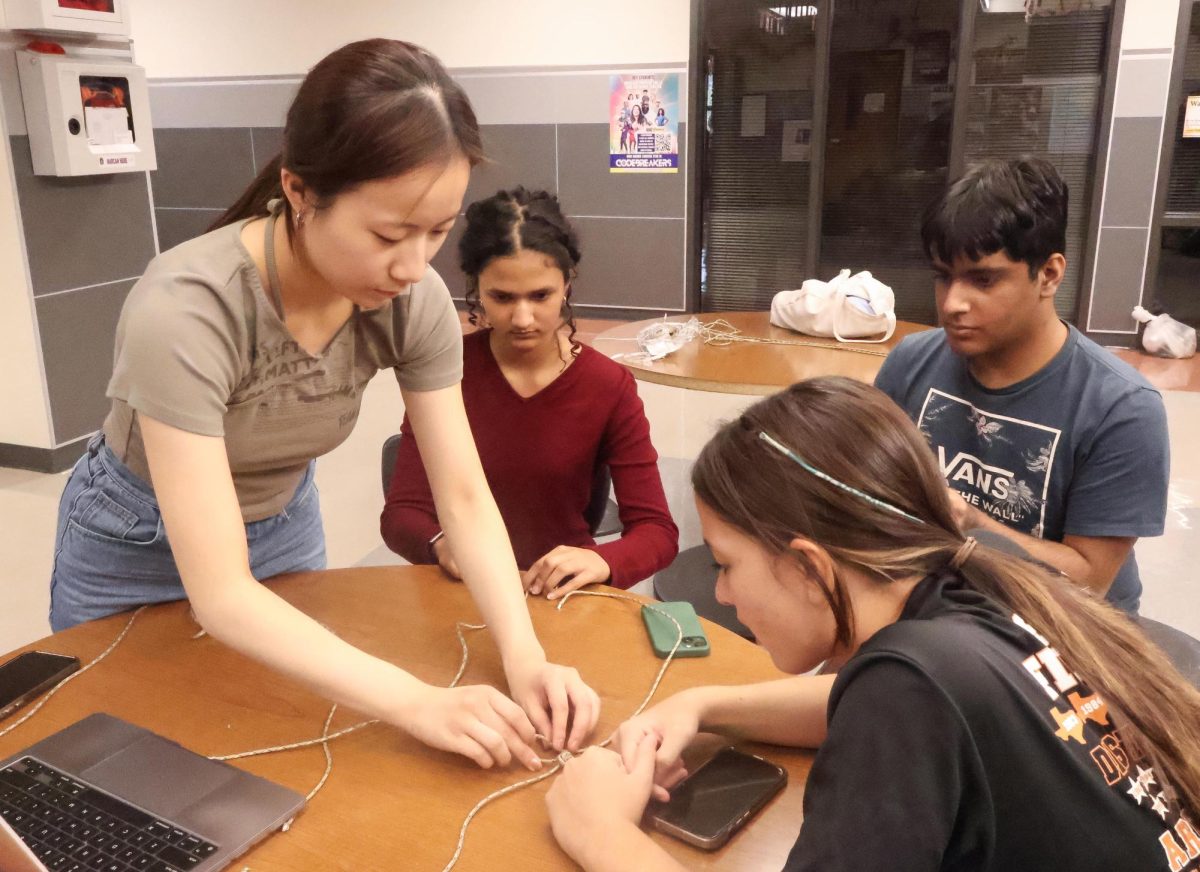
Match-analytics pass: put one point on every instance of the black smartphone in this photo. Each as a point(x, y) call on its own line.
point(716, 800)
point(27, 676)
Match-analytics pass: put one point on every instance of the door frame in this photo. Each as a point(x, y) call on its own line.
point(1159, 218)
point(968, 10)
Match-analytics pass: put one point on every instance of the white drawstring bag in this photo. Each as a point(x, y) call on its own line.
point(1164, 336)
point(847, 308)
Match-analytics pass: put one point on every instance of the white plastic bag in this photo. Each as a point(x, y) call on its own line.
point(847, 308)
point(666, 337)
point(1164, 336)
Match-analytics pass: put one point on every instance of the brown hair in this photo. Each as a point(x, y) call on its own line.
point(370, 110)
point(855, 434)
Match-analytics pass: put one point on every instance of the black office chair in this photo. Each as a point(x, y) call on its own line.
point(1181, 649)
point(388, 461)
point(692, 577)
point(601, 512)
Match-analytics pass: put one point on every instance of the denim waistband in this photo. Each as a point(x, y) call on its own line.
point(99, 452)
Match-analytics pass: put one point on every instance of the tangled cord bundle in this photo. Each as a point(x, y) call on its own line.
point(664, 337)
point(556, 762)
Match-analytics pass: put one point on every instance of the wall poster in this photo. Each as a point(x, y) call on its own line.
point(643, 123)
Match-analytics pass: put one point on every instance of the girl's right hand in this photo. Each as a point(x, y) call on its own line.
point(476, 721)
point(673, 723)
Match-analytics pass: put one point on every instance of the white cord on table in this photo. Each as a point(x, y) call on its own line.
point(719, 333)
point(326, 737)
point(45, 699)
point(556, 762)
point(563, 756)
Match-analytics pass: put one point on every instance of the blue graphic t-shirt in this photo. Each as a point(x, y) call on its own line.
point(1079, 448)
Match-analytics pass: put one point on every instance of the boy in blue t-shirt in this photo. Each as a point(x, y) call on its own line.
point(1043, 436)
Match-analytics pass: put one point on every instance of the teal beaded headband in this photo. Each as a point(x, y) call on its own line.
point(808, 467)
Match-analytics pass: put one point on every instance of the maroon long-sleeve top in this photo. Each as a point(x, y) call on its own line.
point(539, 454)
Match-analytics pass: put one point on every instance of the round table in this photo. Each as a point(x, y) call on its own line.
point(750, 367)
point(392, 802)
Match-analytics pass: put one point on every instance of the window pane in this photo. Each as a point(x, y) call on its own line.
point(1036, 90)
point(891, 107)
point(759, 60)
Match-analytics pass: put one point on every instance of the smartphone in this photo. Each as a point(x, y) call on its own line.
point(664, 633)
point(27, 676)
point(717, 800)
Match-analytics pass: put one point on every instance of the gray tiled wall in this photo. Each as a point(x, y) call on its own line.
point(87, 240)
point(631, 225)
point(82, 231)
point(537, 131)
point(588, 187)
point(77, 329)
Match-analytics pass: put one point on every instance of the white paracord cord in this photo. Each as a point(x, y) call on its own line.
point(557, 762)
point(45, 699)
point(564, 755)
point(720, 333)
point(326, 737)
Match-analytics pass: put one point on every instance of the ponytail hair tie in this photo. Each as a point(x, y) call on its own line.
point(963, 553)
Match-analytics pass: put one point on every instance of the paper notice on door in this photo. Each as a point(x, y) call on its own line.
point(754, 115)
point(1191, 118)
point(107, 126)
point(873, 103)
point(797, 141)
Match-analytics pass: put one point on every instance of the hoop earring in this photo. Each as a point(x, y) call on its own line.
point(300, 220)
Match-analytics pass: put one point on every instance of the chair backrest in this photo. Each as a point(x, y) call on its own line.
point(598, 501)
point(387, 462)
point(1181, 649)
point(593, 514)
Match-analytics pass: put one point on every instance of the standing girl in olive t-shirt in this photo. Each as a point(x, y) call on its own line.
point(242, 355)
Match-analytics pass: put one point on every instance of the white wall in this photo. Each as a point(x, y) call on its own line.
point(1150, 24)
point(26, 418)
point(186, 38)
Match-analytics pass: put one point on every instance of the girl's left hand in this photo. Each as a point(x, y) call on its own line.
point(565, 569)
point(595, 792)
point(539, 686)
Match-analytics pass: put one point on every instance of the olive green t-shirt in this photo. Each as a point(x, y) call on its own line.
point(201, 347)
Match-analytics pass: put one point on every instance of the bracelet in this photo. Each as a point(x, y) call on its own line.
point(433, 541)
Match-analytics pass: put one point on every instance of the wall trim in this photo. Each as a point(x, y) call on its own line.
point(49, 460)
point(1166, 155)
point(1113, 339)
point(1091, 248)
point(262, 101)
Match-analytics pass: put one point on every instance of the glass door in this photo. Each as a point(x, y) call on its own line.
point(759, 61)
point(887, 151)
point(1177, 290)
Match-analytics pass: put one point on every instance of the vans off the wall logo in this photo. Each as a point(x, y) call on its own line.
point(999, 464)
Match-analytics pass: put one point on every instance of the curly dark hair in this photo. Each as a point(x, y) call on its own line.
point(512, 221)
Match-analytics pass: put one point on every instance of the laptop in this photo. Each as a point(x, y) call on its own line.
point(104, 795)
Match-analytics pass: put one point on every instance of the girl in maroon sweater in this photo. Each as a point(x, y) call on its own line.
point(544, 410)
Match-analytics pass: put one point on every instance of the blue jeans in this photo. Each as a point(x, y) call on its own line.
point(112, 552)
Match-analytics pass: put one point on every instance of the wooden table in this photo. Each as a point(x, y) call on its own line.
point(392, 803)
point(750, 368)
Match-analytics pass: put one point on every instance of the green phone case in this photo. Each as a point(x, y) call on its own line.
point(663, 632)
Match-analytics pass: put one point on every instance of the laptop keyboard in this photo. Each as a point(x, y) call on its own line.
point(74, 828)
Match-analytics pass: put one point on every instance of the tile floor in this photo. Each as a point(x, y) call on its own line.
point(681, 422)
